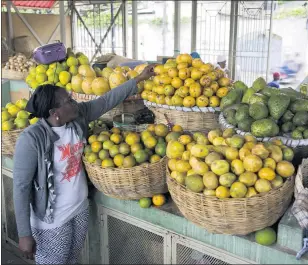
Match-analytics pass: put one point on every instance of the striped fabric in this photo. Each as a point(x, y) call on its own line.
point(63, 244)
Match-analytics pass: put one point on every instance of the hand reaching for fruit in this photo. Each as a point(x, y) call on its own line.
point(146, 73)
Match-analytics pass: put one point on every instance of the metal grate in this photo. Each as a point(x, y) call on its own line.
point(129, 244)
point(11, 227)
point(186, 255)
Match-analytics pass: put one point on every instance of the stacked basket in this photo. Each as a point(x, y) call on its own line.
point(8, 141)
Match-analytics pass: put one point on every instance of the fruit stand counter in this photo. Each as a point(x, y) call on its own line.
point(122, 226)
point(12, 90)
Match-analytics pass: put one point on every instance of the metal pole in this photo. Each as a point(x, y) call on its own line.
point(72, 22)
point(194, 14)
point(177, 26)
point(10, 31)
point(27, 25)
point(135, 28)
point(235, 39)
point(62, 22)
point(124, 26)
point(269, 42)
point(112, 30)
point(56, 29)
point(231, 37)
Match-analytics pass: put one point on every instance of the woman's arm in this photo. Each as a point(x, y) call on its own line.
point(96, 108)
point(25, 166)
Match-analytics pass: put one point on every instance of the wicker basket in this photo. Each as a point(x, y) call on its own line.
point(8, 141)
point(129, 183)
point(232, 216)
point(191, 119)
point(300, 147)
point(13, 75)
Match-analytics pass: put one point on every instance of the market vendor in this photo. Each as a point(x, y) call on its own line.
point(50, 186)
point(222, 64)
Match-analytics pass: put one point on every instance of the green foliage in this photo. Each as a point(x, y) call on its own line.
point(295, 12)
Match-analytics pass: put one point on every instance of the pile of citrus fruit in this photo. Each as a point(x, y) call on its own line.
point(224, 164)
point(76, 74)
point(14, 116)
point(126, 149)
point(186, 82)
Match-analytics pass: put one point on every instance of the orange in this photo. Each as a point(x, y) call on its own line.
point(266, 173)
point(252, 163)
point(285, 169)
point(151, 127)
point(92, 139)
point(176, 82)
point(132, 138)
point(161, 130)
point(185, 139)
point(118, 160)
point(202, 101)
point(195, 90)
point(177, 128)
point(222, 192)
point(116, 138)
point(116, 130)
point(270, 162)
point(108, 162)
point(222, 92)
point(189, 102)
point(188, 82)
point(172, 164)
point(135, 147)
point(159, 200)
point(96, 146)
point(155, 158)
point(214, 101)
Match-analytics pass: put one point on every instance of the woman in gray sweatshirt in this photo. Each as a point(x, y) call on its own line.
point(50, 187)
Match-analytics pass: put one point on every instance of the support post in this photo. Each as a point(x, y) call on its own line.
point(72, 23)
point(135, 28)
point(27, 25)
point(56, 29)
point(124, 27)
point(269, 43)
point(112, 29)
point(10, 31)
point(236, 6)
point(62, 22)
point(177, 26)
point(194, 14)
point(231, 36)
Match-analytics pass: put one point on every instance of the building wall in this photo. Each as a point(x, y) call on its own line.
point(43, 25)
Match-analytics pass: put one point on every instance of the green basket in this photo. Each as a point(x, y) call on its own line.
point(127, 122)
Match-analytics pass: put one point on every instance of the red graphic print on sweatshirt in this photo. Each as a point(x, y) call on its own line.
point(71, 154)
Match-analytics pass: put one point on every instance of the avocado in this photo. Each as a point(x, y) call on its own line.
point(229, 112)
point(245, 125)
point(300, 118)
point(233, 97)
point(240, 85)
point(277, 105)
point(299, 105)
point(287, 116)
point(264, 128)
point(257, 97)
point(247, 95)
point(287, 127)
point(297, 135)
point(259, 84)
point(258, 111)
point(242, 113)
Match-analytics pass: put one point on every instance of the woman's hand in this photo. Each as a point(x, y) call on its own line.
point(146, 73)
point(28, 246)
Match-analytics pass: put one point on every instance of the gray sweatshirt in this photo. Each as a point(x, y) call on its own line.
point(33, 165)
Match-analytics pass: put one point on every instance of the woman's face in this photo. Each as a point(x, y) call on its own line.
point(68, 108)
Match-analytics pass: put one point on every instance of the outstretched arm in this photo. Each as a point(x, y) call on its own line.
point(95, 108)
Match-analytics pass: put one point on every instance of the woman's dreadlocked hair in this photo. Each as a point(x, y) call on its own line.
point(42, 101)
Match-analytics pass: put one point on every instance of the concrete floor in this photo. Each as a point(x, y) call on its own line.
point(8, 257)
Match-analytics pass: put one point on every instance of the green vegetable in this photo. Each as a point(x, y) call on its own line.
point(300, 118)
point(277, 105)
point(299, 105)
point(245, 125)
point(305, 134)
point(247, 95)
point(297, 135)
point(233, 97)
point(258, 111)
point(259, 84)
point(287, 127)
point(240, 85)
point(287, 116)
point(264, 128)
point(257, 97)
point(242, 113)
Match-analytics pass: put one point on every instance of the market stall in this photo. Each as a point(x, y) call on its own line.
point(193, 169)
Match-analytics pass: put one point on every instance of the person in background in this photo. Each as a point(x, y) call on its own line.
point(275, 82)
point(49, 181)
point(195, 55)
point(222, 64)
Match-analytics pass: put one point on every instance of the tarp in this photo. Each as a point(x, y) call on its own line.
point(33, 4)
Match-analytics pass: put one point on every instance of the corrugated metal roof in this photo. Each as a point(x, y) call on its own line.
point(35, 4)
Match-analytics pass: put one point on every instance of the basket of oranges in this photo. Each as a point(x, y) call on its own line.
point(128, 165)
point(229, 184)
point(188, 92)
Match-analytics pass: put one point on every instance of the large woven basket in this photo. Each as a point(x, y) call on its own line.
point(8, 141)
point(13, 75)
point(300, 147)
point(191, 119)
point(129, 183)
point(232, 216)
